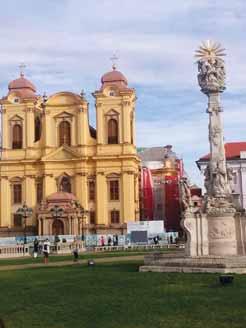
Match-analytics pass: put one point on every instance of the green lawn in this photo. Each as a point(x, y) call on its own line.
point(58, 258)
point(117, 296)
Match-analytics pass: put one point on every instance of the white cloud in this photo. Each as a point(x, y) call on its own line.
point(67, 45)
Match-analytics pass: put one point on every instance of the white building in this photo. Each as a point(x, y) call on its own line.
point(236, 160)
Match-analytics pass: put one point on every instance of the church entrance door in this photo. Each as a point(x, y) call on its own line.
point(57, 227)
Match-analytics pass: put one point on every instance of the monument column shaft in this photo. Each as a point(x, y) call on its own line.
point(217, 161)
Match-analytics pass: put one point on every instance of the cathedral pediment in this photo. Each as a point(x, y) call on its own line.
point(64, 115)
point(62, 153)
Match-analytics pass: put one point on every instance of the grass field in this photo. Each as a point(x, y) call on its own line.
point(58, 258)
point(117, 296)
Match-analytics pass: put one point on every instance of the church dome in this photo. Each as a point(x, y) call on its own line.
point(23, 87)
point(114, 77)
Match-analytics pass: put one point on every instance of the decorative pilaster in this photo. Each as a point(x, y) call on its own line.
point(5, 202)
point(30, 127)
point(49, 185)
point(30, 193)
point(101, 198)
point(81, 188)
point(128, 196)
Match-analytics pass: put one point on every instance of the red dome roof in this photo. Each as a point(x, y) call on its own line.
point(114, 77)
point(21, 83)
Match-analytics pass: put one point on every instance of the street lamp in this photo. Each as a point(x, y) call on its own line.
point(56, 212)
point(82, 214)
point(25, 212)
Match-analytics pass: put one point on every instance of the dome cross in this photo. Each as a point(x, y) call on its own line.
point(22, 66)
point(114, 59)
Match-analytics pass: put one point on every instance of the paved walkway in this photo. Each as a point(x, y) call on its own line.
point(67, 263)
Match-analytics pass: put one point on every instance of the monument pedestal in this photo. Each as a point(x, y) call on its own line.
point(222, 235)
point(207, 264)
point(215, 243)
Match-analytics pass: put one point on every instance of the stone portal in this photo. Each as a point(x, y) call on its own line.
point(65, 222)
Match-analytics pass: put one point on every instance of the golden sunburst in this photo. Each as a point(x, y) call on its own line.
point(210, 49)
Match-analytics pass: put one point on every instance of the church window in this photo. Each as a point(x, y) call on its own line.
point(37, 129)
point(17, 220)
point(115, 216)
point(92, 190)
point(17, 137)
point(64, 133)
point(92, 217)
point(112, 131)
point(112, 93)
point(17, 193)
point(114, 189)
point(65, 184)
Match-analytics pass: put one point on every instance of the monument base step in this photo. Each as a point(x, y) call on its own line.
point(203, 264)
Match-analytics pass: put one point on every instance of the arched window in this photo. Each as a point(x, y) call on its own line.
point(112, 131)
point(17, 193)
point(17, 136)
point(65, 184)
point(37, 129)
point(64, 133)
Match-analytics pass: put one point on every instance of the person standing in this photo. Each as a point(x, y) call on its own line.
point(35, 248)
point(109, 241)
point(102, 241)
point(75, 247)
point(46, 250)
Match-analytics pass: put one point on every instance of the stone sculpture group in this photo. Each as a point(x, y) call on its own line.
point(216, 233)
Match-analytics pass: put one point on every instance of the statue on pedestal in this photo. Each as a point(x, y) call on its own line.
point(216, 240)
point(211, 79)
point(185, 194)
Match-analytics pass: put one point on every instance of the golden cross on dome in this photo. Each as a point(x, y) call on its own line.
point(22, 66)
point(114, 59)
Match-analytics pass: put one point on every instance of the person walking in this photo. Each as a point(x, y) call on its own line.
point(75, 247)
point(46, 250)
point(35, 248)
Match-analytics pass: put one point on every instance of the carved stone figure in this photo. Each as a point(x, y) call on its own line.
point(230, 176)
point(211, 74)
point(185, 194)
point(207, 179)
point(215, 135)
point(219, 180)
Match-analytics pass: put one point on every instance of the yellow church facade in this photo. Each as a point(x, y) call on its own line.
point(51, 157)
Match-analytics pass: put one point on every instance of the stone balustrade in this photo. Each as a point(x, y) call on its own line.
point(14, 251)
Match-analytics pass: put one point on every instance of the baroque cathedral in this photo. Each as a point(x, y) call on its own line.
point(51, 158)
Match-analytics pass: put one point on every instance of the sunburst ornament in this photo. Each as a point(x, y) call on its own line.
point(209, 50)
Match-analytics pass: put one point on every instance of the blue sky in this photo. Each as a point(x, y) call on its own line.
point(66, 45)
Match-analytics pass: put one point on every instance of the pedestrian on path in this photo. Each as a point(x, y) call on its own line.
point(35, 248)
point(46, 250)
point(75, 248)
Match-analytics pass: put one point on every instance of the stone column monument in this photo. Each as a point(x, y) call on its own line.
point(216, 233)
point(218, 200)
